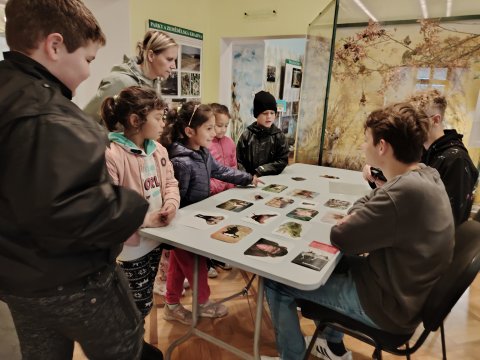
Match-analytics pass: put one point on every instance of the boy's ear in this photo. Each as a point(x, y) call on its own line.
point(52, 45)
point(382, 147)
point(436, 119)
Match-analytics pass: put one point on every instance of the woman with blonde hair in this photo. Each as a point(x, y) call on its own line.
point(155, 60)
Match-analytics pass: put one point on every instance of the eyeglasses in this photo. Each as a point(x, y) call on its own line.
point(193, 113)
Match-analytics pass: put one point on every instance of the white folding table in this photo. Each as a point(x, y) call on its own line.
point(349, 186)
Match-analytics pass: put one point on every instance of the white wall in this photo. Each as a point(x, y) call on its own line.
point(114, 19)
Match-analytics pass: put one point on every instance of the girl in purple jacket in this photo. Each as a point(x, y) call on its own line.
point(191, 132)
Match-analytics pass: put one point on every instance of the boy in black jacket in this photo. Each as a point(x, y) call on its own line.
point(262, 148)
point(62, 224)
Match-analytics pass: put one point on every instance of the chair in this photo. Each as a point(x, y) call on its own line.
point(443, 296)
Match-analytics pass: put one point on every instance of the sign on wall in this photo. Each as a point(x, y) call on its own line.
point(184, 84)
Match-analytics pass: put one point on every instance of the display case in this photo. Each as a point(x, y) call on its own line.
point(361, 55)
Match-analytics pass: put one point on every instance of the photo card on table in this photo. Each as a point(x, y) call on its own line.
point(337, 204)
point(298, 178)
point(234, 205)
point(261, 217)
point(200, 219)
point(231, 233)
point(279, 202)
point(276, 188)
point(303, 214)
point(326, 176)
point(304, 194)
point(269, 249)
point(292, 229)
point(316, 257)
point(332, 217)
point(256, 196)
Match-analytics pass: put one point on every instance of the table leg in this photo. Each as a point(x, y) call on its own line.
point(258, 320)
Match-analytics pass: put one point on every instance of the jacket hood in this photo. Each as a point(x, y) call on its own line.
point(261, 131)
point(450, 139)
point(178, 150)
point(129, 146)
point(130, 68)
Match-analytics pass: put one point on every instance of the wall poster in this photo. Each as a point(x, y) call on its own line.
point(184, 84)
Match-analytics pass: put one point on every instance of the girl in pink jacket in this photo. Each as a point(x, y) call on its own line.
point(136, 161)
point(222, 148)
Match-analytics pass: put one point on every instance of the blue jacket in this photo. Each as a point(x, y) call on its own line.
point(193, 170)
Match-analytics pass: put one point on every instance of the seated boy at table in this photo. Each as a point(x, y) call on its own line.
point(406, 228)
point(262, 149)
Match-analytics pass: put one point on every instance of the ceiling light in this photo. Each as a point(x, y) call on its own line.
point(365, 10)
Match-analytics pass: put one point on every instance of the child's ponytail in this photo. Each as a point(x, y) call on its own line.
point(107, 113)
point(136, 100)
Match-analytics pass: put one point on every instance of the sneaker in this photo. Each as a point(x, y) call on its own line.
point(212, 310)
point(178, 313)
point(212, 273)
point(322, 351)
point(226, 266)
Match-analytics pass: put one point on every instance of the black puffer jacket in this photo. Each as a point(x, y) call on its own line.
point(193, 170)
point(450, 157)
point(262, 151)
point(60, 218)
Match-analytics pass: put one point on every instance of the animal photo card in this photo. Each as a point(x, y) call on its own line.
point(326, 176)
point(256, 196)
point(303, 214)
point(269, 249)
point(200, 219)
point(292, 229)
point(279, 202)
point(332, 217)
point(261, 217)
point(337, 204)
point(304, 194)
point(276, 188)
point(316, 257)
point(231, 233)
point(235, 205)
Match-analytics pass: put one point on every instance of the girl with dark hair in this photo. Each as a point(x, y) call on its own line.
point(136, 161)
point(191, 132)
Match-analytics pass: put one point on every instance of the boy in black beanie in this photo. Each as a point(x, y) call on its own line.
point(262, 149)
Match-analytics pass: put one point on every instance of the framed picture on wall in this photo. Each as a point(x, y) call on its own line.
point(296, 78)
point(271, 71)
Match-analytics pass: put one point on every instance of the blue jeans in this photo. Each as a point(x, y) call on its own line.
point(338, 293)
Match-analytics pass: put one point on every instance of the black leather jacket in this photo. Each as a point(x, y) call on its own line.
point(60, 218)
point(262, 151)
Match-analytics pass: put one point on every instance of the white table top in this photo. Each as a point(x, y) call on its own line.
point(350, 186)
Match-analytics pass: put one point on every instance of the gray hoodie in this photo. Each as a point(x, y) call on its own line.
point(120, 77)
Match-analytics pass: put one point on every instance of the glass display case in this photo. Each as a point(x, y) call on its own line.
point(361, 55)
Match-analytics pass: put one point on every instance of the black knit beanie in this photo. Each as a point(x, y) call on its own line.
point(263, 101)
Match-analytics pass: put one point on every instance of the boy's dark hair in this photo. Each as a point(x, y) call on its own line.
point(131, 100)
point(403, 127)
point(192, 114)
point(30, 21)
point(220, 109)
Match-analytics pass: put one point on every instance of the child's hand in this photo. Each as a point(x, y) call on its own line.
point(167, 213)
point(256, 181)
point(367, 175)
point(152, 219)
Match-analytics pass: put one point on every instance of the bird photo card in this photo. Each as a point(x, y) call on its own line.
point(231, 233)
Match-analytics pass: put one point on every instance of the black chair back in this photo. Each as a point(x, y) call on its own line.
point(458, 277)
